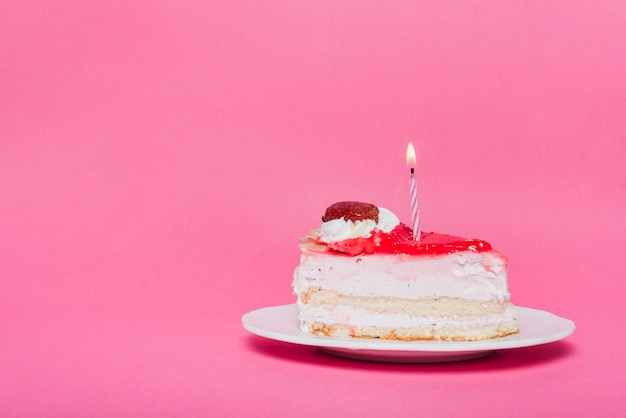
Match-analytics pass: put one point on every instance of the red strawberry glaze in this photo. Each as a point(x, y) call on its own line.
point(400, 241)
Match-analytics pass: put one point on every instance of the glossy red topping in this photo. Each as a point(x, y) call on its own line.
point(400, 241)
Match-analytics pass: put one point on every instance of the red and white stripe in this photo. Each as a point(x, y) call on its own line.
point(415, 211)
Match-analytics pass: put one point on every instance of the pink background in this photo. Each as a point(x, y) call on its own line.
point(159, 160)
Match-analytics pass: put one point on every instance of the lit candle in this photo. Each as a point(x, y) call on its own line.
point(415, 210)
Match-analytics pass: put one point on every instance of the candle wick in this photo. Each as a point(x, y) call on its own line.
point(412, 171)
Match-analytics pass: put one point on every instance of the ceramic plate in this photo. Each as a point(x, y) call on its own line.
point(281, 323)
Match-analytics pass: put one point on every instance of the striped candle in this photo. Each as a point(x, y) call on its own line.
point(415, 210)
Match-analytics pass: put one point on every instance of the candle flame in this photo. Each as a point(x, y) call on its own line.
point(410, 155)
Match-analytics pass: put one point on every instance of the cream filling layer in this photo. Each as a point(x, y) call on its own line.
point(346, 315)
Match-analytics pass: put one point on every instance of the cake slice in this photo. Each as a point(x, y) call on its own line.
point(361, 274)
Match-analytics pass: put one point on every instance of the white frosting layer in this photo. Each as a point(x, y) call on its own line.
point(341, 229)
point(466, 274)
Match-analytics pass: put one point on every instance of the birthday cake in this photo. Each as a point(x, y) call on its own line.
point(363, 274)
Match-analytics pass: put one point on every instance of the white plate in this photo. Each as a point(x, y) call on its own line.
point(281, 323)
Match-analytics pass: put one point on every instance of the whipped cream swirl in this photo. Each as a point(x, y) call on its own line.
point(340, 229)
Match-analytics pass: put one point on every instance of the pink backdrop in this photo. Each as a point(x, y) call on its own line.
point(159, 160)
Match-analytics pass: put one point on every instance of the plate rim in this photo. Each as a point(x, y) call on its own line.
point(566, 328)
